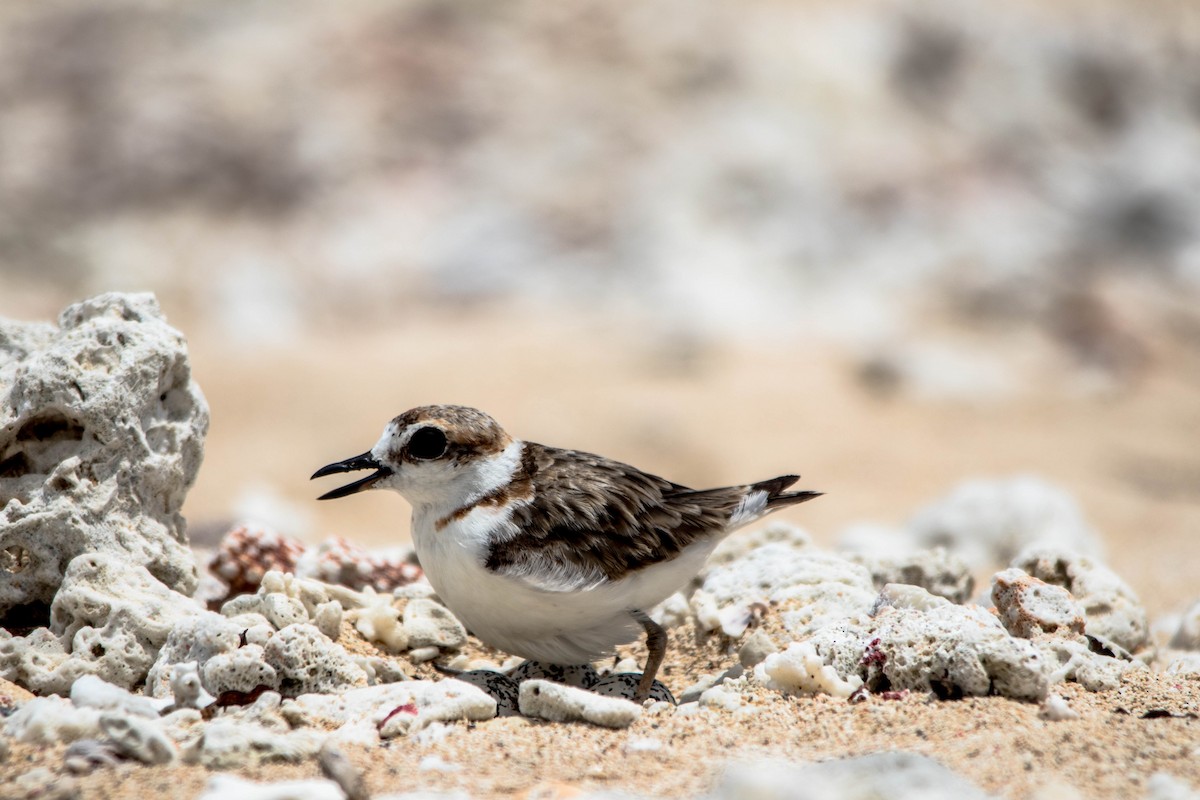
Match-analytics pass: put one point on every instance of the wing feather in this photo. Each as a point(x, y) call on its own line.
point(589, 519)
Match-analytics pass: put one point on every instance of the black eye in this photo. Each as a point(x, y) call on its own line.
point(427, 443)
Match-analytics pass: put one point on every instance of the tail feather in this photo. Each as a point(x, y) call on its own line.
point(777, 498)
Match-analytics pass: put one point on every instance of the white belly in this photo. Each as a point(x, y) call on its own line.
point(557, 627)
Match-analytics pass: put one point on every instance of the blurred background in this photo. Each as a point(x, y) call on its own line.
point(887, 245)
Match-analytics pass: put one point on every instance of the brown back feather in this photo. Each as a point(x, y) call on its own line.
point(595, 516)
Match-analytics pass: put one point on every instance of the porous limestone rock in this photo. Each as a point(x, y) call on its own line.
point(560, 703)
point(988, 522)
point(109, 619)
point(777, 568)
point(746, 541)
point(937, 571)
point(284, 599)
point(40, 662)
point(281, 610)
point(692, 693)
point(430, 624)
point(1072, 660)
point(197, 639)
point(1030, 607)
point(1114, 614)
point(307, 661)
point(231, 657)
point(242, 670)
point(916, 640)
point(116, 613)
point(101, 435)
point(1179, 638)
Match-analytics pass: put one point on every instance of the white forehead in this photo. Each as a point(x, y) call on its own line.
point(395, 436)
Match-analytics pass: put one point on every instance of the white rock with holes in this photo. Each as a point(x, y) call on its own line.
point(214, 644)
point(919, 641)
point(101, 435)
point(1030, 607)
point(776, 568)
point(307, 661)
point(109, 619)
point(1114, 615)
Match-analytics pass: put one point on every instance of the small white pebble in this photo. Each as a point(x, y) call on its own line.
point(1055, 709)
point(421, 654)
point(460, 662)
point(688, 709)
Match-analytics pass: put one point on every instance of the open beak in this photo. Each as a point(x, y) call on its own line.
point(364, 461)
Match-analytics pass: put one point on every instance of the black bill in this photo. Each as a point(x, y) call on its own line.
point(364, 461)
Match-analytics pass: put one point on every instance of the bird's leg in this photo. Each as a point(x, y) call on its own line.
point(656, 645)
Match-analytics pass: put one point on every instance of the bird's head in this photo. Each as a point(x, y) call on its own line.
point(430, 454)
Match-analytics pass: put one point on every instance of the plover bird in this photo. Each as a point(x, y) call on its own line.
point(548, 554)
